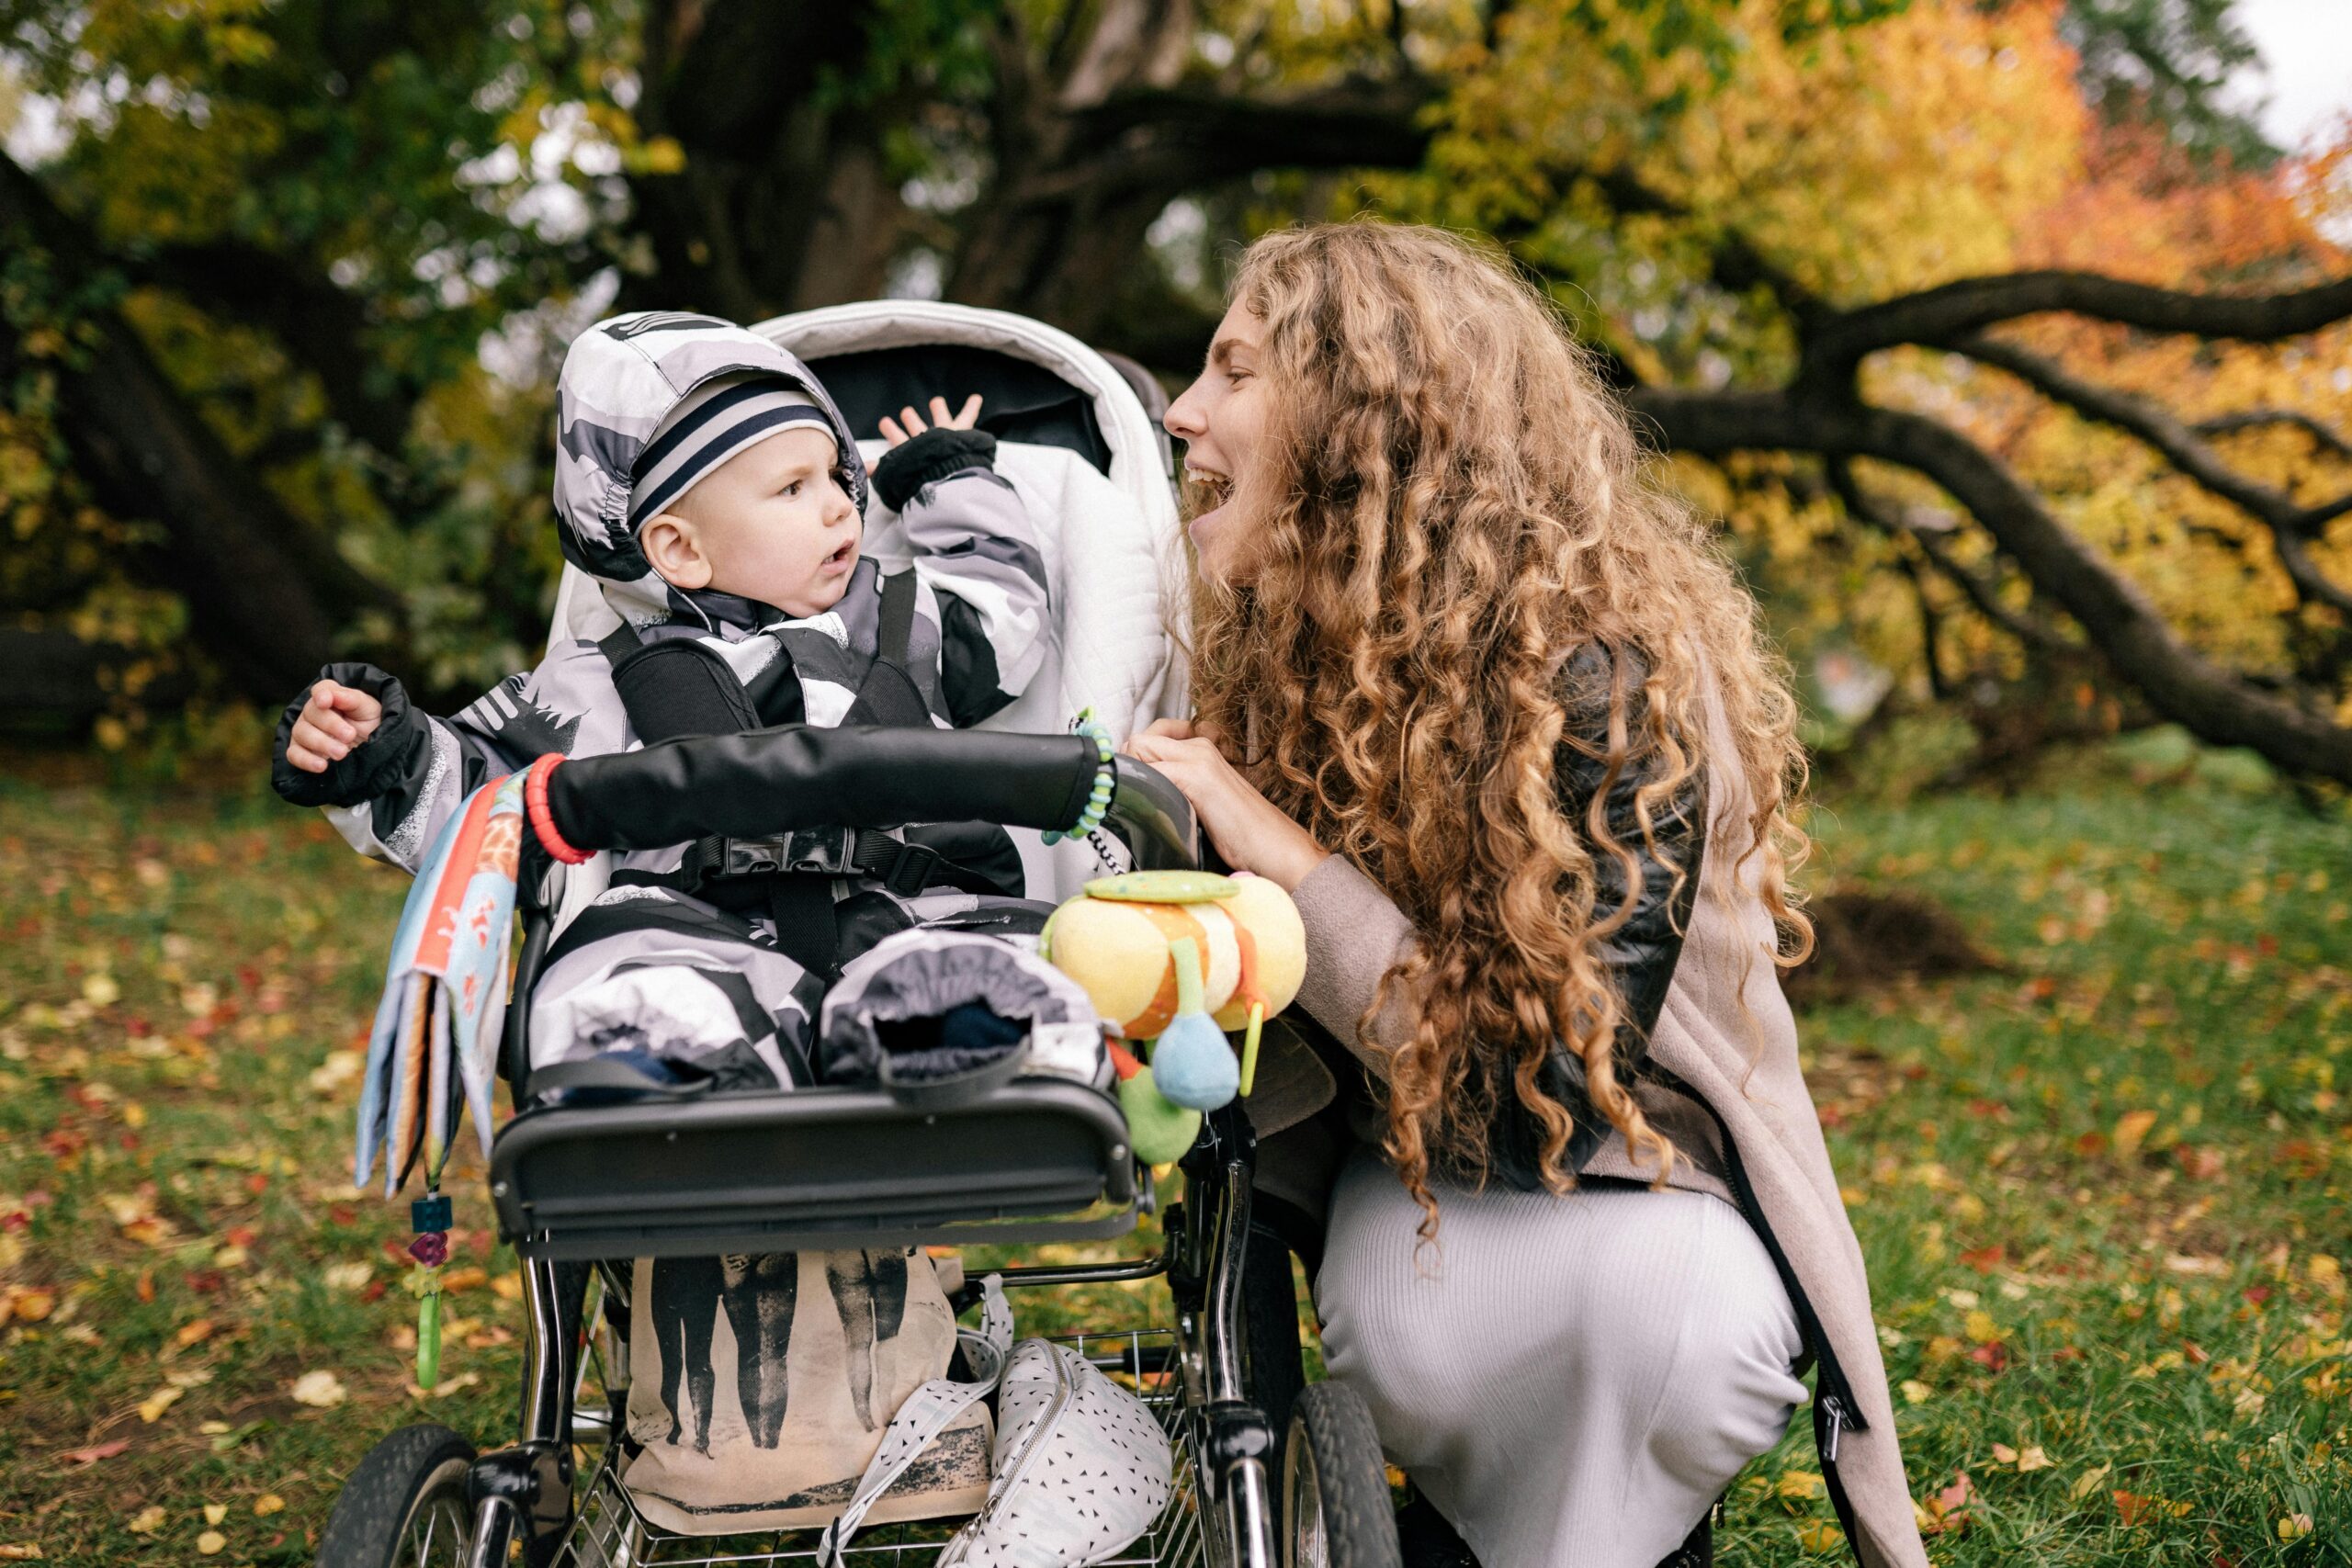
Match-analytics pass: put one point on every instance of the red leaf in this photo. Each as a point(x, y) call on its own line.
point(91, 1455)
point(1984, 1259)
point(1992, 1358)
point(2257, 1294)
point(242, 1235)
point(256, 1184)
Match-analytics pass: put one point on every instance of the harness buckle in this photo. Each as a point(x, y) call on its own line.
point(825, 850)
point(911, 869)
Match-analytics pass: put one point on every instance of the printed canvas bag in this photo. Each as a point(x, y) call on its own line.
point(760, 1388)
point(1083, 1467)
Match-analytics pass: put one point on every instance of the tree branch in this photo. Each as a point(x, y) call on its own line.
point(2256, 419)
point(1985, 596)
point(2289, 524)
point(1937, 316)
point(2221, 707)
point(1183, 138)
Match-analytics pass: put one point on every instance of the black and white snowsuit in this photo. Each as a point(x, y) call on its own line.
point(650, 968)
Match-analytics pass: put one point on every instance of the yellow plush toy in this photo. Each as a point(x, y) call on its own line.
point(1177, 956)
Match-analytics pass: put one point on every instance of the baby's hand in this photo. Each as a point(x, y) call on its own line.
point(909, 424)
point(336, 719)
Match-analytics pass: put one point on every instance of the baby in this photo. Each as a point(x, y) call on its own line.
point(708, 484)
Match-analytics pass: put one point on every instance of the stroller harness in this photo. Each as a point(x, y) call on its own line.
point(679, 686)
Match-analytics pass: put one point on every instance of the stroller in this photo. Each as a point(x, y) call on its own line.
point(1268, 1469)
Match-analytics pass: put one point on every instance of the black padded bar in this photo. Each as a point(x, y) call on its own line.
point(796, 775)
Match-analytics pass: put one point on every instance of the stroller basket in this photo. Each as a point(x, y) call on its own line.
point(611, 1534)
point(812, 1168)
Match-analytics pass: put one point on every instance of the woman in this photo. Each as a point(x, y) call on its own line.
point(1500, 718)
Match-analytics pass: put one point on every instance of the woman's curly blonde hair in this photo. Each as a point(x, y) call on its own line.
point(1446, 504)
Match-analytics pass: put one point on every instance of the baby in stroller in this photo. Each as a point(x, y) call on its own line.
point(710, 486)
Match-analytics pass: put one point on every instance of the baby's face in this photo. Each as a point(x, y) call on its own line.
point(776, 523)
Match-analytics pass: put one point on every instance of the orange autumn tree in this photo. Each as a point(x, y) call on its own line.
point(1954, 355)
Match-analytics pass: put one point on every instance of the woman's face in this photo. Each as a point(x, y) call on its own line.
point(1221, 419)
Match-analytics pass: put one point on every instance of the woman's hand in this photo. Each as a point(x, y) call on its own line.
point(1249, 831)
point(336, 719)
point(909, 424)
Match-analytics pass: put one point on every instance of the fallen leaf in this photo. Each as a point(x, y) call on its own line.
point(348, 1276)
point(2004, 1454)
point(320, 1390)
point(1948, 1509)
point(211, 1544)
point(1820, 1535)
point(269, 1504)
point(1982, 1328)
point(30, 1305)
point(91, 1455)
point(1800, 1486)
point(2087, 1482)
point(508, 1287)
point(21, 1552)
point(151, 1408)
point(2294, 1527)
point(2033, 1459)
point(148, 1519)
point(215, 1512)
point(1915, 1392)
point(2130, 1130)
point(2136, 1508)
point(468, 1278)
point(193, 1333)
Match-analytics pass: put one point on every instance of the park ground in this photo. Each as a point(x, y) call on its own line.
point(2101, 1186)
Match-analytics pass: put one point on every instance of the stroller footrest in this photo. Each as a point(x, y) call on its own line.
point(1036, 1159)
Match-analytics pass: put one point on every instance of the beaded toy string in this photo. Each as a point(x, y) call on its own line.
point(1098, 801)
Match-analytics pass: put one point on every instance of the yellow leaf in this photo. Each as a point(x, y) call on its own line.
point(215, 1512)
point(148, 1519)
point(20, 1551)
point(2004, 1454)
point(1982, 1328)
point(2322, 1268)
point(2033, 1459)
point(134, 1115)
point(2294, 1527)
point(1820, 1535)
point(99, 989)
point(508, 1287)
point(230, 1257)
point(269, 1504)
point(321, 1390)
point(193, 1334)
point(2087, 1482)
point(1915, 1392)
point(211, 1544)
point(2132, 1131)
point(151, 1408)
point(1800, 1486)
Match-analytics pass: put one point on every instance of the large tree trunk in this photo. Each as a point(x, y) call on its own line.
point(266, 594)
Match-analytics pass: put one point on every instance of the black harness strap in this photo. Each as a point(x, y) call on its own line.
point(677, 686)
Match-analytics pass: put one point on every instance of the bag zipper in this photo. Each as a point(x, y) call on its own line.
point(1043, 1432)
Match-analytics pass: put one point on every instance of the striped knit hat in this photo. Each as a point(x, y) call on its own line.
point(710, 424)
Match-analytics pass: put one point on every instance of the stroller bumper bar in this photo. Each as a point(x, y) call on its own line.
point(771, 782)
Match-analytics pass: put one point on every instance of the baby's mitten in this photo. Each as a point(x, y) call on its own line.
point(933, 456)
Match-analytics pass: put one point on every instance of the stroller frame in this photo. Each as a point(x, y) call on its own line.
point(1257, 1456)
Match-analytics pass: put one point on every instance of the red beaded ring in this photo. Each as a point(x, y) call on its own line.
point(535, 804)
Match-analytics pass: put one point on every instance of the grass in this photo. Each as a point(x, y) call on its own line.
point(2102, 1192)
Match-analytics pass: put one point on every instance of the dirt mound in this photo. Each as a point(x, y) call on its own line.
point(1863, 939)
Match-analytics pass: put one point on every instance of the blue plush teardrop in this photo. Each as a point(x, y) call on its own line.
point(1193, 1066)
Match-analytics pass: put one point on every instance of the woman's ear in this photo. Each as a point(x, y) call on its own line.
point(670, 544)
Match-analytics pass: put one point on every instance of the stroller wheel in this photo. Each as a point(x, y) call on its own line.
point(1335, 1499)
point(404, 1504)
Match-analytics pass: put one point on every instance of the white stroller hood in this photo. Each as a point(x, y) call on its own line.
point(1111, 545)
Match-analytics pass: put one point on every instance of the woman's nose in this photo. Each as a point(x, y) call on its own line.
point(1184, 419)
